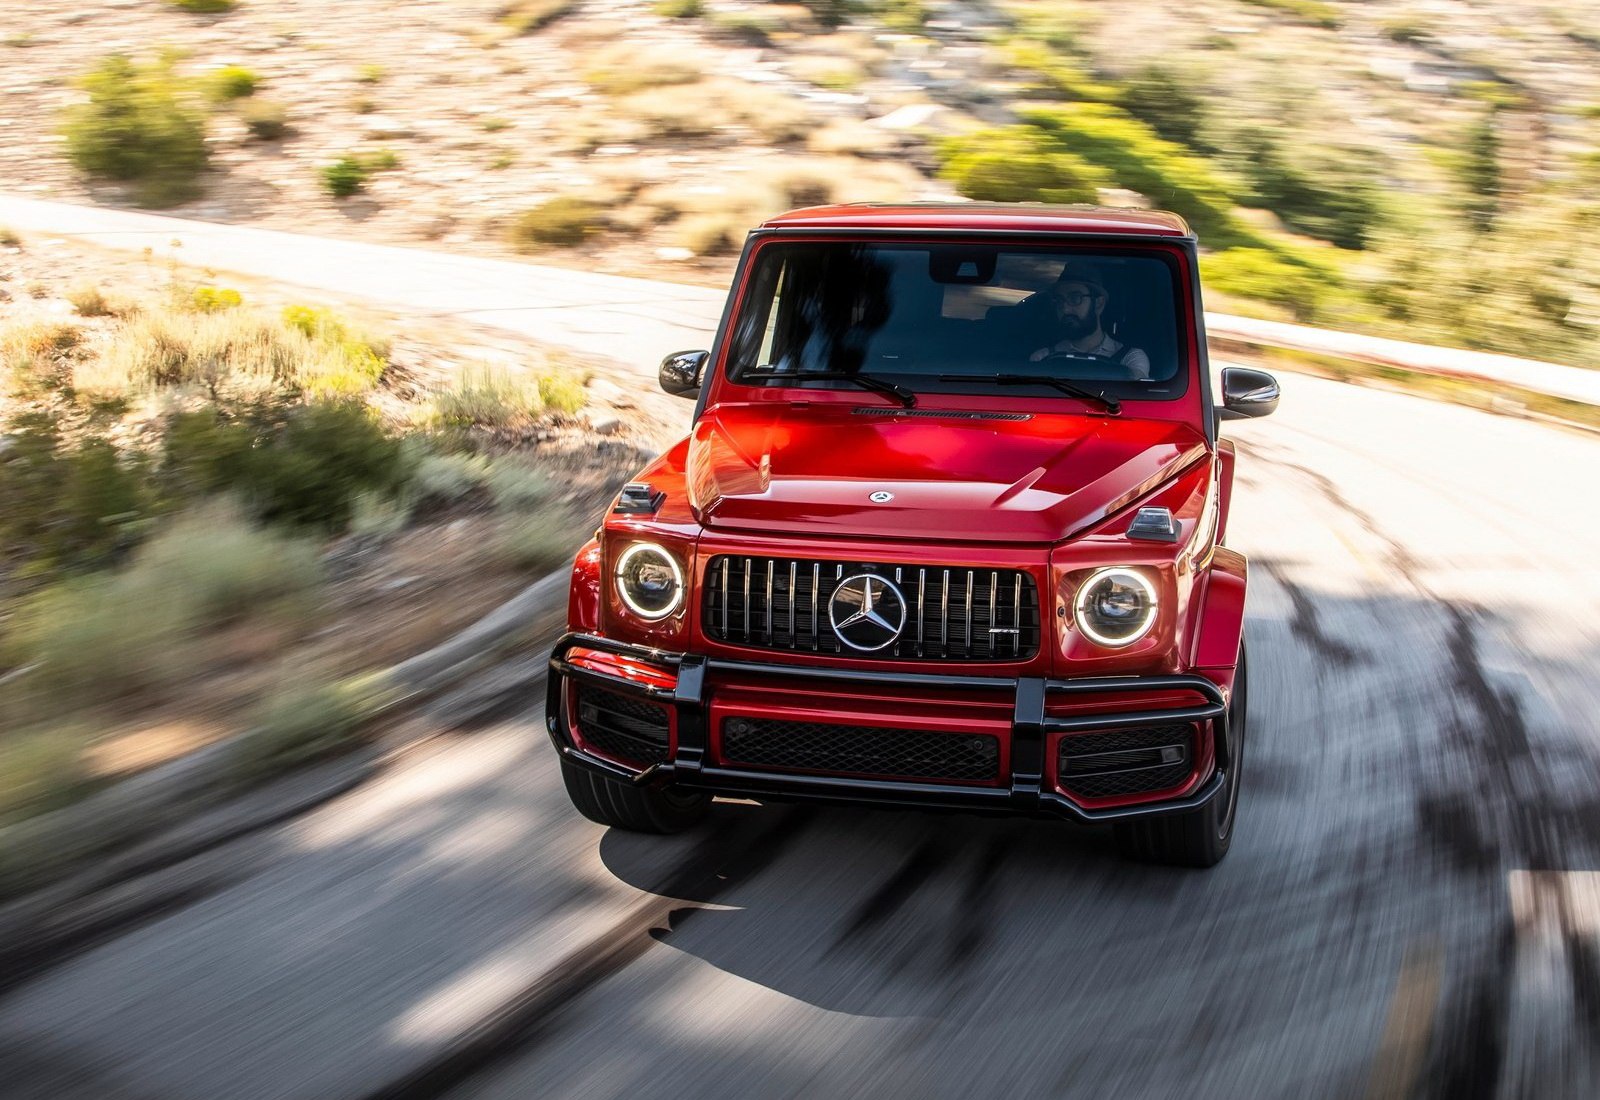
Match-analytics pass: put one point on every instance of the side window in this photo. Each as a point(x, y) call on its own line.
point(770, 336)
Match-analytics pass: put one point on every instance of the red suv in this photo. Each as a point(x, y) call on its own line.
point(947, 533)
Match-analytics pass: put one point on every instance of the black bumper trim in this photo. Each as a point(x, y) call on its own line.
point(1025, 793)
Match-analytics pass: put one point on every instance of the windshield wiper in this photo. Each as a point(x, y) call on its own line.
point(906, 398)
point(1112, 405)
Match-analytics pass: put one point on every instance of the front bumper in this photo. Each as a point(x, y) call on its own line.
point(1023, 789)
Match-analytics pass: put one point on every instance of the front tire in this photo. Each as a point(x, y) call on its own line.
point(620, 805)
point(1199, 838)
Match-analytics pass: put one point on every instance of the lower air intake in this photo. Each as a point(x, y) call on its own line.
point(622, 727)
point(860, 750)
point(1124, 762)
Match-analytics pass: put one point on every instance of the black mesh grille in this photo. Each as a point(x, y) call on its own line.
point(629, 729)
point(952, 613)
point(1134, 761)
point(860, 750)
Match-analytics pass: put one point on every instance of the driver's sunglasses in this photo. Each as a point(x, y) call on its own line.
point(1072, 299)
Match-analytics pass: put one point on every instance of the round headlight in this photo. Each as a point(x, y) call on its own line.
point(649, 581)
point(1115, 607)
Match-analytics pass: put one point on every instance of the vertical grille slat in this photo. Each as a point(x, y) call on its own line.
point(782, 604)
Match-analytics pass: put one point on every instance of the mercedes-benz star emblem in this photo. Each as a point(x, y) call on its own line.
point(881, 497)
point(867, 612)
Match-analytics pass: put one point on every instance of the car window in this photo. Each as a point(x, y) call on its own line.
point(914, 312)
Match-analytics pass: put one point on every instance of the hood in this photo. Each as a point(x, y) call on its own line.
point(775, 467)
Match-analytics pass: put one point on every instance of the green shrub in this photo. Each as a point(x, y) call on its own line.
point(203, 7)
point(40, 771)
point(905, 16)
point(300, 724)
point(68, 505)
point(494, 124)
point(231, 82)
point(213, 299)
point(561, 392)
point(344, 177)
point(266, 120)
point(541, 541)
point(1264, 276)
point(88, 300)
point(679, 9)
point(1169, 104)
point(1317, 13)
point(1014, 165)
point(1135, 157)
point(1329, 197)
point(490, 397)
point(371, 74)
point(517, 487)
point(349, 174)
point(527, 16)
point(562, 222)
point(111, 634)
point(309, 468)
point(140, 126)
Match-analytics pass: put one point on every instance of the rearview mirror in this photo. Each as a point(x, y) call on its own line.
point(683, 371)
point(1247, 392)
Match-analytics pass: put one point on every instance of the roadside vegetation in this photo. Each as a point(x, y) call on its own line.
point(183, 480)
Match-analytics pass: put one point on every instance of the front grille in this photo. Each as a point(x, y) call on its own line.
point(621, 726)
point(952, 613)
point(1135, 761)
point(860, 750)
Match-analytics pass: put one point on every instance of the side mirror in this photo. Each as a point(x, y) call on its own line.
point(1247, 392)
point(683, 371)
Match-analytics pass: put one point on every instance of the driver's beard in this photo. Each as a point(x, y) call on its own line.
point(1074, 327)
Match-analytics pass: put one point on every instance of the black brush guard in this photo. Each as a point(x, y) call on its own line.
point(1026, 793)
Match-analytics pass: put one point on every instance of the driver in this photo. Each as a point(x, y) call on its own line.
point(1079, 298)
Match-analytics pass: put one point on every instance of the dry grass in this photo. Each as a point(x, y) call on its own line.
point(623, 69)
point(700, 109)
point(208, 344)
point(828, 71)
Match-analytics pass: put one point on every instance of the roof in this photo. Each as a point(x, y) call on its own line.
point(986, 216)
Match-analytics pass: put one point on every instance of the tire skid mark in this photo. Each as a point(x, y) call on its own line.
point(1306, 624)
point(924, 861)
point(978, 902)
point(728, 854)
point(1506, 816)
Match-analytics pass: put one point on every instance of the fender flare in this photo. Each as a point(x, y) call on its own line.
point(583, 597)
point(1222, 616)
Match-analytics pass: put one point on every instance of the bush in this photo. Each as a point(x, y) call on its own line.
point(527, 16)
point(214, 299)
point(679, 9)
point(562, 222)
point(139, 126)
point(203, 7)
point(1168, 104)
point(1325, 199)
point(1317, 13)
point(620, 71)
point(300, 724)
point(112, 634)
point(266, 120)
point(1263, 276)
point(9, 237)
point(349, 174)
point(231, 82)
point(1013, 165)
point(311, 466)
point(40, 771)
point(490, 397)
point(344, 177)
point(561, 392)
point(89, 300)
point(1135, 157)
point(539, 542)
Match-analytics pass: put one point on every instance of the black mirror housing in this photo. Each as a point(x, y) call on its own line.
point(683, 372)
point(1246, 393)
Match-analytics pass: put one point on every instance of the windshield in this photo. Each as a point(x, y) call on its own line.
point(954, 318)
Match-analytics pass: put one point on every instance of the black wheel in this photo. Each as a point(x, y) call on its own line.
point(1199, 838)
point(638, 809)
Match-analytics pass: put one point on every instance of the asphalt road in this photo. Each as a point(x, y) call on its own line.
point(1422, 629)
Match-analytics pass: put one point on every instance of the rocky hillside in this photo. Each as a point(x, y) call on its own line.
point(1420, 167)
